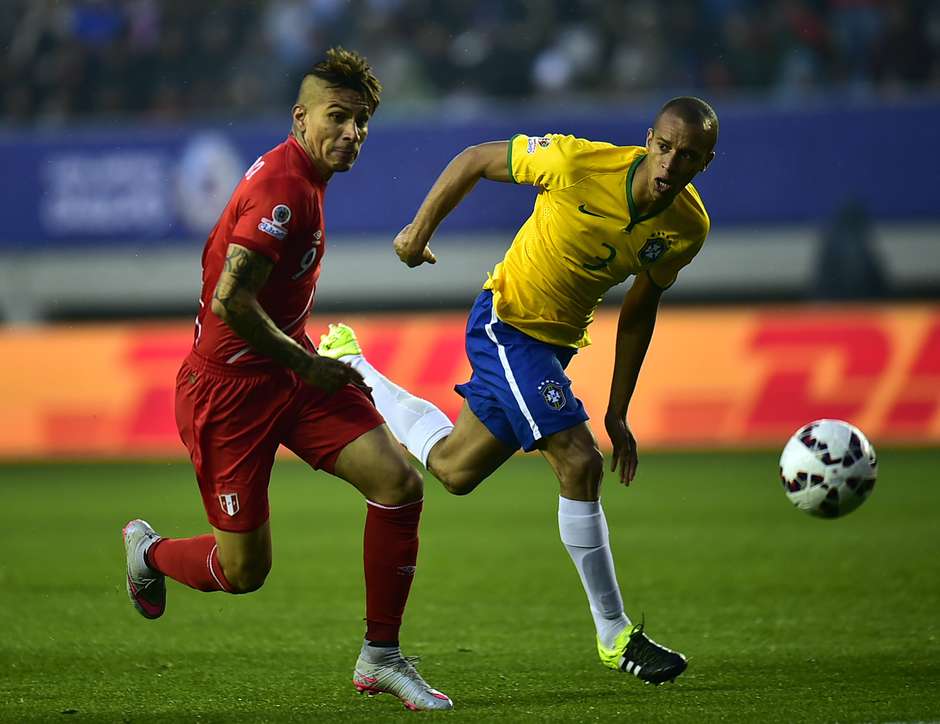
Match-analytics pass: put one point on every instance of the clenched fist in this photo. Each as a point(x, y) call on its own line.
point(411, 250)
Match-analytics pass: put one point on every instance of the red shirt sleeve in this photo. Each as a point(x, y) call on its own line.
point(268, 212)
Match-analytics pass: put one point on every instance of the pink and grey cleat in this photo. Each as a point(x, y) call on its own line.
point(145, 587)
point(400, 678)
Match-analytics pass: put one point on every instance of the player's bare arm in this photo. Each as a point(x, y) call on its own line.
point(486, 160)
point(634, 331)
point(235, 301)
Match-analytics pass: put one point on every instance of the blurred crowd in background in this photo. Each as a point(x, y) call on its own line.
point(167, 59)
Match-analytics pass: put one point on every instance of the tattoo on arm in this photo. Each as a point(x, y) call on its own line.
point(235, 300)
point(245, 272)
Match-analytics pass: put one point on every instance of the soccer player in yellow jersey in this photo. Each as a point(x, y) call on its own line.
point(603, 213)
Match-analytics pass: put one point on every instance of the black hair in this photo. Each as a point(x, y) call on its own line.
point(347, 69)
point(693, 111)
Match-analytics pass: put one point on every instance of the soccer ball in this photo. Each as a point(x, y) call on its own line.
point(828, 468)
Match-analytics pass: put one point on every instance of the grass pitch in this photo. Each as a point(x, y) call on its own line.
point(785, 618)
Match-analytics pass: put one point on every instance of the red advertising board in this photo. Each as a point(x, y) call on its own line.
point(715, 377)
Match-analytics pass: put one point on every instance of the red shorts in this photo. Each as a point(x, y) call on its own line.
point(232, 422)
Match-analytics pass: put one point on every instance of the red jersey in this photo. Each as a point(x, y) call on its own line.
point(276, 210)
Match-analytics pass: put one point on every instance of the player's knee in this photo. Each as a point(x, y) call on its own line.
point(581, 474)
point(456, 481)
point(245, 577)
point(410, 486)
point(405, 485)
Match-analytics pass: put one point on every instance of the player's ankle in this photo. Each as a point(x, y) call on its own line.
point(378, 652)
point(382, 644)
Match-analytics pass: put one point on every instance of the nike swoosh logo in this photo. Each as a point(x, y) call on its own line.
point(152, 610)
point(583, 210)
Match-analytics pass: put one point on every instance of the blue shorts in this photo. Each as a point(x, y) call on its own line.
point(518, 388)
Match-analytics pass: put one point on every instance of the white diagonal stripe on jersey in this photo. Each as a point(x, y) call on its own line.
point(303, 315)
point(284, 329)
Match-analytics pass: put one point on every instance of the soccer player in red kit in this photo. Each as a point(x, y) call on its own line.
point(253, 381)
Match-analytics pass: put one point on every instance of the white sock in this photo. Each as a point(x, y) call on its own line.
point(415, 423)
point(379, 654)
point(583, 530)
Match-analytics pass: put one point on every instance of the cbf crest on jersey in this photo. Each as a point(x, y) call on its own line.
point(655, 247)
point(553, 393)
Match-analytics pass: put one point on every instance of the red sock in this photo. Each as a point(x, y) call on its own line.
point(191, 561)
point(390, 553)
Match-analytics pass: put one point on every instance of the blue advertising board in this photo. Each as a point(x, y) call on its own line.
point(121, 183)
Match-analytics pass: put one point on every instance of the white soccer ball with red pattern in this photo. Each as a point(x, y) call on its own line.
point(828, 468)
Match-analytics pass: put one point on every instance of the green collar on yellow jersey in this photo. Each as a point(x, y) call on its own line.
point(634, 219)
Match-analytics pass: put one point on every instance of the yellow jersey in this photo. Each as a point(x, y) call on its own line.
point(584, 236)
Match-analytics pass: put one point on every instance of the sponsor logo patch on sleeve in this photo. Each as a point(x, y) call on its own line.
point(272, 229)
point(275, 226)
point(537, 142)
point(281, 214)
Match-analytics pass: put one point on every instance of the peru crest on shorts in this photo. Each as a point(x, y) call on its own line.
point(229, 502)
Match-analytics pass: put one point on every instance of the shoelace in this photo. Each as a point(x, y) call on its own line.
point(406, 667)
point(643, 650)
point(638, 630)
point(143, 583)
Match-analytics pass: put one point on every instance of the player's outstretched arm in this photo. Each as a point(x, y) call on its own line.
point(634, 331)
point(486, 160)
point(235, 301)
